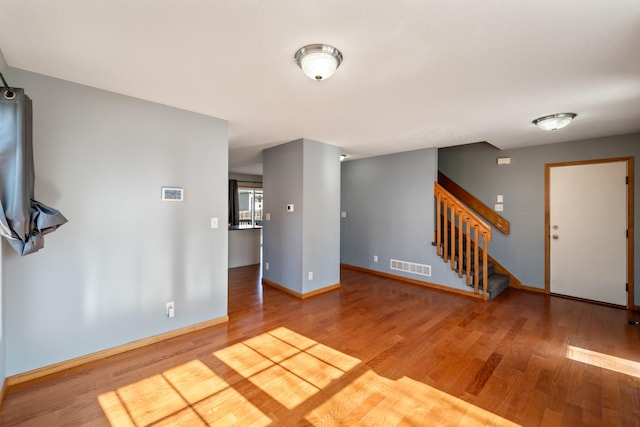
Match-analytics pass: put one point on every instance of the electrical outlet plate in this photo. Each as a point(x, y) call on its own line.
point(170, 309)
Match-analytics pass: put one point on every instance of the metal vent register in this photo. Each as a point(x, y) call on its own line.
point(411, 267)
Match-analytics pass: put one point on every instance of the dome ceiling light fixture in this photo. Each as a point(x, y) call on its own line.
point(554, 121)
point(318, 61)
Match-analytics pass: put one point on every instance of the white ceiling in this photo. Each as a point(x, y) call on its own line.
point(416, 73)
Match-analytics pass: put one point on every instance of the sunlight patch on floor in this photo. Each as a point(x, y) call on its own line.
point(287, 366)
point(375, 400)
point(612, 363)
point(290, 369)
point(189, 394)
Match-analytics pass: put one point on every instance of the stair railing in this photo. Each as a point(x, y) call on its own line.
point(453, 217)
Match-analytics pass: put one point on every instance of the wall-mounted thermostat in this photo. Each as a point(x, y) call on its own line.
point(290, 207)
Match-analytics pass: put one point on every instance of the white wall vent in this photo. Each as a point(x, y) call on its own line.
point(411, 267)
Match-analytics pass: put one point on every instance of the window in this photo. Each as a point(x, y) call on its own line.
point(250, 207)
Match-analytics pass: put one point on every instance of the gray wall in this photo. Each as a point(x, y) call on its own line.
point(282, 235)
point(522, 184)
point(390, 213)
point(321, 220)
point(306, 174)
point(103, 279)
point(3, 363)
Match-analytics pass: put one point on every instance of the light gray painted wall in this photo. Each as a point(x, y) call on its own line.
point(307, 174)
point(282, 235)
point(522, 184)
point(3, 364)
point(390, 213)
point(103, 279)
point(321, 220)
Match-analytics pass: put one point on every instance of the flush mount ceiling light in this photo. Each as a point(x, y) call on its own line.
point(318, 61)
point(554, 121)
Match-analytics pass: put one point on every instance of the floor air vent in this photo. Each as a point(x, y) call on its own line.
point(411, 267)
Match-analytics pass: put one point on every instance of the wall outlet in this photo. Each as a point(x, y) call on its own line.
point(375, 258)
point(498, 207)
point(343, 214)
point(266, 266)
point(311, 275)
point(267, 216)
point(170, 309)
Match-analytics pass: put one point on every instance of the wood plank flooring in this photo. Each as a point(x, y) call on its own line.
point(376, 352)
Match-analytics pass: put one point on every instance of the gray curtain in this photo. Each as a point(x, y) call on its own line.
point(234, 212)
point(23, 220)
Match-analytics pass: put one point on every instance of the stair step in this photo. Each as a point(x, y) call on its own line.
point(497, 284)
point(464, 263)
point(490, 266)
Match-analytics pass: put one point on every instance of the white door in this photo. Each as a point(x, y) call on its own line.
point(588, 226)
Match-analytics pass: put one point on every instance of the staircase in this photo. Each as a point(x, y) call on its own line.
point(461, 239)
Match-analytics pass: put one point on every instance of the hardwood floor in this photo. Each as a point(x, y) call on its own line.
point(375, 352)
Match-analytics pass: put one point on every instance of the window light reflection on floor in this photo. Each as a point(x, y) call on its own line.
point(290, 369)
point(190, 394)
point(287, 366)
point(612, 363)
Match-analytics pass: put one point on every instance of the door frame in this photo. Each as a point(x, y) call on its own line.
point(630, 212)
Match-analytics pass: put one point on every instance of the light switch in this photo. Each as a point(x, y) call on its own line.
point(214, 222)
point(499, 198)
point(343, 214)
point(267, 216)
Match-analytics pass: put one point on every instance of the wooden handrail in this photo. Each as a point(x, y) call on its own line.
point(451, 216)
point(500, 223)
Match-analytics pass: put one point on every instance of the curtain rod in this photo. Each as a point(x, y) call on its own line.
point(9, 93)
